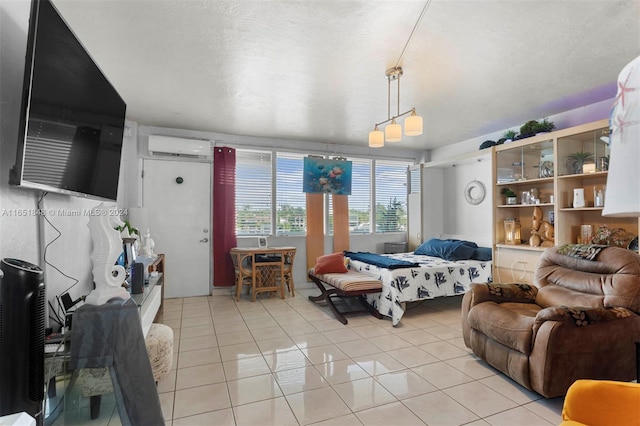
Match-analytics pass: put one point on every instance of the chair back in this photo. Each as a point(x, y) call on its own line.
point(611, 279)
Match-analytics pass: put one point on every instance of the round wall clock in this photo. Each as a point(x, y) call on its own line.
point(474, 192)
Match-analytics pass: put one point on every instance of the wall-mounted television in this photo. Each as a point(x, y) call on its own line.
point(72, 118)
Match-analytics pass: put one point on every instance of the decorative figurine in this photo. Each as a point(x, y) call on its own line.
point(107, 246)
point(542, 232)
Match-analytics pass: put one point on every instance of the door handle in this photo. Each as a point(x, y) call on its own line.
point(204, 240)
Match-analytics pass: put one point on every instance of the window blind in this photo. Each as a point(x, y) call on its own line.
point(291, 211)
point(253, 193)
point(391, 195)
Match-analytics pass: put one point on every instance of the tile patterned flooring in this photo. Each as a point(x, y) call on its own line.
point(290, 362)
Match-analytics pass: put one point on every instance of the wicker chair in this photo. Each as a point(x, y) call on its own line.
point(243, 271)
point(288, 269)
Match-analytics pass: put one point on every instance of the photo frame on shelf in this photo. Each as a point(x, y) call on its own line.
point(262, 242)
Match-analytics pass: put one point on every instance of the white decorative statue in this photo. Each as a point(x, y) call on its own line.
point(107, 246)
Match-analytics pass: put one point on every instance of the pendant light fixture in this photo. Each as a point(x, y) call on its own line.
point(413, 123)
point(393, 130)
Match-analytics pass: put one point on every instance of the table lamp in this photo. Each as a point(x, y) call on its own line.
point(622, 197)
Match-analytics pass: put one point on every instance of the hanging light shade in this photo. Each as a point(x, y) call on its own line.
point(413, 124)
point(393, 132)
point(376, 138)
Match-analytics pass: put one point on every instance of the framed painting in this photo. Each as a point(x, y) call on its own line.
point(326, 176)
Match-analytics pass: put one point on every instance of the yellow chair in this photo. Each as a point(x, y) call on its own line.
point(602, 403)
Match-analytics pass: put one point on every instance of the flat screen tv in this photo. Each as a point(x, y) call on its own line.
point(72, 118)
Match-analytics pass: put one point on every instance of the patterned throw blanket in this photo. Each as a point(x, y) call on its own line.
point(379, 260)
point(581, 251)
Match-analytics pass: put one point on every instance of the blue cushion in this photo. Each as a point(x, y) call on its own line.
point(447, 249)
point(482, 253)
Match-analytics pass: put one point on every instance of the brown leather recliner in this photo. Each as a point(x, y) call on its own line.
point(580, 319)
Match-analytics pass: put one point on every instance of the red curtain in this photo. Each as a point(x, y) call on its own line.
point(224, 215)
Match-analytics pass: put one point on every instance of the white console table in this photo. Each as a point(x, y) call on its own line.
point(150, 300)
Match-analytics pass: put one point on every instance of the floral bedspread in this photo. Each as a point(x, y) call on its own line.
point(434, 278)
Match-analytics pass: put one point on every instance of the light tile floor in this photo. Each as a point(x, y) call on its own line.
point(290, 362)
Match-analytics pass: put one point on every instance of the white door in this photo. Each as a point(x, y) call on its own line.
point(414, 207)
point(178, 197)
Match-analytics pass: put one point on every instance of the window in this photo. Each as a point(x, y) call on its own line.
point(359, 200)
point(269, 197)
point(391, 196)
point(253, 193)
point(291, 202)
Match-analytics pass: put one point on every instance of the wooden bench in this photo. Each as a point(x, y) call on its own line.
point(347, 285)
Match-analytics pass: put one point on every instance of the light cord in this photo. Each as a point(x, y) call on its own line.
point(424, 10)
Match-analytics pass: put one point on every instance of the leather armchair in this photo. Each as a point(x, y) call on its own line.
point(579, 320)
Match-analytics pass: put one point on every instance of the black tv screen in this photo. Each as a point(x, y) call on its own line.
point(72, 118)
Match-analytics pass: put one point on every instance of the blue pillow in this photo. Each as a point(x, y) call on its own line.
point(452, 250)
point(482, 253)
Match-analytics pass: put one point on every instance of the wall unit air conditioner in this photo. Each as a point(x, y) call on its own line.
point(178, 147)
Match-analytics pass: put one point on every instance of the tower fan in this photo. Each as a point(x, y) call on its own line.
point(22, 310)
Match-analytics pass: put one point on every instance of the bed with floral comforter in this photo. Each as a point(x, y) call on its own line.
point(435, 277)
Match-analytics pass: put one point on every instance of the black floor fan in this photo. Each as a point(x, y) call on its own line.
point(22, 320)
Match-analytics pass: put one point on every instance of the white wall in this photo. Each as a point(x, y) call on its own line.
point(446, 210)
point(474, 222)
point(18, 234)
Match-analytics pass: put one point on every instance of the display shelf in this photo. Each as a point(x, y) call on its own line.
point(525, 182)
point(519, 167)
point(510, 206)
point(581, 209)
point(585, 175)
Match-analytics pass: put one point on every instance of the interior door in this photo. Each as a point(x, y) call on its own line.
point(178, 197)
point(414, 207)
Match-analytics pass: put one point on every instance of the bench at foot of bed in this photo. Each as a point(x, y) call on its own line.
point(346, 286)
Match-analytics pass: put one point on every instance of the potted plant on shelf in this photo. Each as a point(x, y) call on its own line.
point(487, 144)
point(528, 129)
point(511, 197)
point(575, 161)
point(127, 231)
point(545, 126)
point(509, 135)
point(533, 127)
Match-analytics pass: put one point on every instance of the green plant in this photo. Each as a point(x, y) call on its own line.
point(531, 127)
point(130, 229)
point(575, 161)
point(507, 192)
point(487, 144)
point(510, 134)
point(546, 125)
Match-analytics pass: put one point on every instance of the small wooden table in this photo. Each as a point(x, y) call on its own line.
point(264, 266)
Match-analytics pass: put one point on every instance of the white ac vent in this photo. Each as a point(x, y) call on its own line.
point(178, 147)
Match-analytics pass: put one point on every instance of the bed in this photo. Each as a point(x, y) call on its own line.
point(432, 277)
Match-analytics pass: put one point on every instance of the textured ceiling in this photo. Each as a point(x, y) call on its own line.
point(315, 70)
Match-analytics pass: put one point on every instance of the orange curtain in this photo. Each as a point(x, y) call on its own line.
point(315, 228)
point(340, 223)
